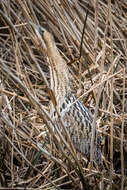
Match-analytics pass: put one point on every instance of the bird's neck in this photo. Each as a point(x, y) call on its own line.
point(59, 74)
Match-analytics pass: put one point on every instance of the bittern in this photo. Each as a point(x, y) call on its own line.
point(75, 115)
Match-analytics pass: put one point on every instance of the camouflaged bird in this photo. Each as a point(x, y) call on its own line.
point(76, 116)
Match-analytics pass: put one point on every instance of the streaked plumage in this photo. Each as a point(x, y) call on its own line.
point(76, 117)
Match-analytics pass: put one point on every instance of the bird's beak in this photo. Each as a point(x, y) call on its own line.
point(39, 31)
point(36, 27)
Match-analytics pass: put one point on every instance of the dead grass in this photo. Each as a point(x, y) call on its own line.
point(29, 158)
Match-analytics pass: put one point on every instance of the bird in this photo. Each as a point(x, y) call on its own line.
point(76, 116)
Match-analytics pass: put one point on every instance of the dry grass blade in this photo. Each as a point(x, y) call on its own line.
point(122, 134)
point(33, 152)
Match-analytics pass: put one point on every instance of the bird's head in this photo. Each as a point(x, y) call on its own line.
point(43, 34)
point(60, 80)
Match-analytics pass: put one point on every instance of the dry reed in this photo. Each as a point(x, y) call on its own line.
point(30, 153)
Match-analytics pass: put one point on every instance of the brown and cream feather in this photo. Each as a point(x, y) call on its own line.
point(76, 116)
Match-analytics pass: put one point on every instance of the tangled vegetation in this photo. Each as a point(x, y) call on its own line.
point(97, 61)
